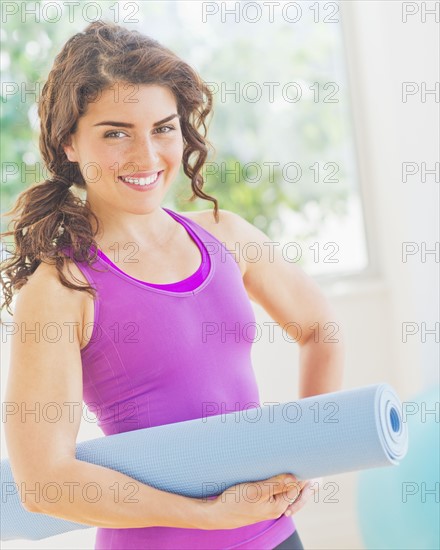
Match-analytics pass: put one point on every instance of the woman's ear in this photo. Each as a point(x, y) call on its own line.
point(70, 151)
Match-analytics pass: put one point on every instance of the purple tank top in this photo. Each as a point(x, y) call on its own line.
point(191, 282)
point(148, 343)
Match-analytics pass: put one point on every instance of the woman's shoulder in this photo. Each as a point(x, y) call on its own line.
point(205, 218)
point(49, 273)
point(230, 230)
point(44, 293)
point(46, 279)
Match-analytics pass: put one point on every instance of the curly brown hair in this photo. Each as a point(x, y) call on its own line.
point(49, 216)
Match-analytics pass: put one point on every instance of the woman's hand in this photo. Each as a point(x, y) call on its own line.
point(300, 492)
point(248, 503)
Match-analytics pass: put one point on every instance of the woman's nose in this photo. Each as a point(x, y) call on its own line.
point(146, 152)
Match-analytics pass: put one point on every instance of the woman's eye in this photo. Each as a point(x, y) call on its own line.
point(171, 128)
point(112, 134)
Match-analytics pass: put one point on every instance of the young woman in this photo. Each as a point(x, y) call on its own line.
point(119, 114)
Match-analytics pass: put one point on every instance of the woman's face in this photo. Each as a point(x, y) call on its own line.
point(124, 133)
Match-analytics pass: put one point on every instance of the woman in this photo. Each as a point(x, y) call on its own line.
point(119, 113)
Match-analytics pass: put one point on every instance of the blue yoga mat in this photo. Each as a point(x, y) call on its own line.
point(317, 436)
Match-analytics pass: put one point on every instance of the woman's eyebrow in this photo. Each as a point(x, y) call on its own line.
point(129, 125)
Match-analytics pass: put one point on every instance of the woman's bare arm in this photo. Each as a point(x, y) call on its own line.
point(296, 303)
point(44, 400)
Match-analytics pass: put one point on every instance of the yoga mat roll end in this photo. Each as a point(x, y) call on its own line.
point(392, 428)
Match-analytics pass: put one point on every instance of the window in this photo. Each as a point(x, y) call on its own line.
point(282, 131)
point(281, 127)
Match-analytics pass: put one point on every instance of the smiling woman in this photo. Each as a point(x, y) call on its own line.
point(137, 163)
point(155, 350)
point(142, 179)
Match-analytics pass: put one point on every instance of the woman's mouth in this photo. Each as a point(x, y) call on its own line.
point(142, 184)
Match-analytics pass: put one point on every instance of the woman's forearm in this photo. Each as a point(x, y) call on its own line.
point(322, 363)
point(102, 497)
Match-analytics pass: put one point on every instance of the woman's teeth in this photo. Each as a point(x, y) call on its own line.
point(141, 181)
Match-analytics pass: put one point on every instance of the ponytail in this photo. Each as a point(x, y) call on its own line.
point(49, 218)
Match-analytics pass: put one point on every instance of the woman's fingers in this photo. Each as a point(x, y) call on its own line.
point(307, 488)
point(299, 502)
point(294, 489)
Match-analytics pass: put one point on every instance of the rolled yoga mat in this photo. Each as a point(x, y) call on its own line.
point(317, 436)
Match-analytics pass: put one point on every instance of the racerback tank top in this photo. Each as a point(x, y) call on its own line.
point(157, 354)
